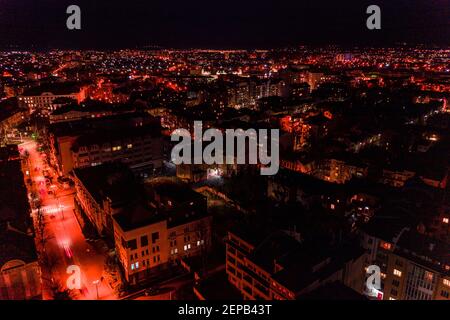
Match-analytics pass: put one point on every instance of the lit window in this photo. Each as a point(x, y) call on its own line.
point(446, 282)
point(390, 298)
point(129, 146)
point(428, 276)
point(332, 206)
point(132, 266)
point(189, 246)
point(198, 243)
point(137, 265)
point(386, 245)
point(445, 220)
point(383, 275)
point(185, 247)
point(397, 273)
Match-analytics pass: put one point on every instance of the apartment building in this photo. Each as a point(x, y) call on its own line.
point(152, 225)
point(413, 266)
point(141, 148)
point(278, 267)
point(41, 98)
point(171, 226)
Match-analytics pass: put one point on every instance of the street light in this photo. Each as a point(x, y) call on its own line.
point(96, 282)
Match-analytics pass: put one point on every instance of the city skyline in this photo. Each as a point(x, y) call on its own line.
point(250, 151)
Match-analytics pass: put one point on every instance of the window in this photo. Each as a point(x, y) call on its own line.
point(386, 245)
point(155, 236)
point(132, 244)
point(444, 294)
point(395, 283)
point(397, 273)
point(446, 282)
point(132, 266)
point(129, 146)
point(390, 298)
point(185, 247)
point(136, 265)
point(428, 276)
point(445, 220)
point(144, 241)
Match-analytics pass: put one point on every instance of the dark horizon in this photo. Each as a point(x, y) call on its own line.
point(247, 24)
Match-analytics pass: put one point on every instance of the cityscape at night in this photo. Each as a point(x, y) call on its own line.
point(182, 168)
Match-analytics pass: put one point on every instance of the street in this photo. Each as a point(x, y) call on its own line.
point(64, 240)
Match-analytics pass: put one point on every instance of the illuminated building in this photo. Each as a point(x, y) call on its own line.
point(313, 79)
point(75, 112)
point(41, 98)
point(140, 148)
point(11, 115)
point(245, 94)
point(153, 226)
point(396, 178)
point(340, 170)
point(413, 266)
point(173, 226)
point(278, 267)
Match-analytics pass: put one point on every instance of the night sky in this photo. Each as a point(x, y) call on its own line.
point(221, 24)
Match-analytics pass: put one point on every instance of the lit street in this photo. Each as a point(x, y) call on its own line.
point(65, 242)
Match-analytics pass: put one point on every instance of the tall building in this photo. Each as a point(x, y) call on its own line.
point(313, 79)
point(172, 225)
point(141, 148)
point(413, 266)
point(132, 138)
point(279, 267)
point(153, 226)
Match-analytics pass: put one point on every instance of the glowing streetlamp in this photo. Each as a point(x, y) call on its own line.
point(96, 282)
